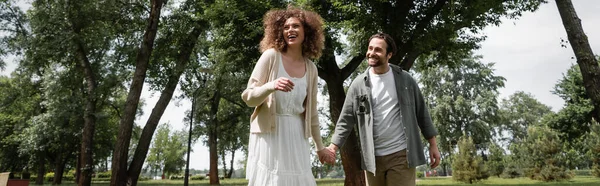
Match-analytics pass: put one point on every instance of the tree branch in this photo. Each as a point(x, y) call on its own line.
point(408, 47)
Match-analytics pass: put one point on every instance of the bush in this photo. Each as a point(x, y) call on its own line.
point(68, 177)
point(511, 172)
point(106, 174)
point(593, 143)
point(49, 177)
point(176, 177)
point(544, 148)
point(582, 172)
point(420, 174)
point(197, 177)
point(467, 166)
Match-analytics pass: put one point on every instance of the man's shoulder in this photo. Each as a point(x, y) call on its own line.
point(399, 70)
point(360, 78)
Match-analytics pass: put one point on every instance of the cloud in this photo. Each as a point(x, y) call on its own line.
point(528, 51)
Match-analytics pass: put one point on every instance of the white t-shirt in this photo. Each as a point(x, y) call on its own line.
point(388, 130)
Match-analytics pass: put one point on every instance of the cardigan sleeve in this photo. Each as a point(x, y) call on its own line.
point(258, 89)
point(315, 128)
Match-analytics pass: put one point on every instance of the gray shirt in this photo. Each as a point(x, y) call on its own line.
point(388, 133)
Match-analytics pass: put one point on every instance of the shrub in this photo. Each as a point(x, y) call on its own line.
point(495, 160)
point(420, 174)
point(582, 172)
point(544, 150)
point(593, 143)
point(106, 174)
point(467, 166)
point(197, 177)
point(176, 177)
point(49, 177)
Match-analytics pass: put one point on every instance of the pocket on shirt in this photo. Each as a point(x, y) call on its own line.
point(407, 96)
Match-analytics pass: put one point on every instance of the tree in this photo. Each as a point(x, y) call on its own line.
point(419, 27)
point(119, 163)
point(588, 64)
point(593, 144)
point(495, 161)
point(545, 160)
point(72, 40)
point(574, 120)
point(467, 166)
point(520, 111)
point(15, 32)
point(184, 31)
point(462, 100)
point(19, 101)
point(223, 70)
point(167, 151)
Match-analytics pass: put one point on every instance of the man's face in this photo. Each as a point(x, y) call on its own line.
point(376, 53)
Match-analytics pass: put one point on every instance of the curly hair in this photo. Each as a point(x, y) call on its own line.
point(314, 40)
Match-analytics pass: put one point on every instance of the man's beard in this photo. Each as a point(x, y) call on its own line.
point(376, 64)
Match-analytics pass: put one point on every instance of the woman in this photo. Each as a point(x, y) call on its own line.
point(283, 90)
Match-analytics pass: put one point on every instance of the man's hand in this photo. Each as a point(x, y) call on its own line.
point(326, 156)
point(329, 151)
point(434, 153)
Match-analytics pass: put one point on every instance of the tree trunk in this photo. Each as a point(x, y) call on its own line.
point(212, 139)
point(41, 164)
point(222, 152)
point(350, 151)
point(330, 72)
point(59, 168)
point(231, 164)
point(87, 141)
point(87, 137)
point(119, 162)
point(78, 167)
point(161, 105)
point(588, 64)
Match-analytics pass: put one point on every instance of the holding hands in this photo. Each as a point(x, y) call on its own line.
point(327, 155)
point(283, 84)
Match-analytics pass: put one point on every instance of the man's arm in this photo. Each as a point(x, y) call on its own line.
point(423, 117)
point(345, 123)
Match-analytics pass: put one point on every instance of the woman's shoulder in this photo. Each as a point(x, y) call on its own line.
point(271, 52)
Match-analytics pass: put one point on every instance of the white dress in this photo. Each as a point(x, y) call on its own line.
point(282, 158)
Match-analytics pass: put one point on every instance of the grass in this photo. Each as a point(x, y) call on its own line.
point(445, 181)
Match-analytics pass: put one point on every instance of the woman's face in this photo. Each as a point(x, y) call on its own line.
point(293, 32)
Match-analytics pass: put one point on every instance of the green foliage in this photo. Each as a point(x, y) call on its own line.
point(574, 120)
point(167, 152)
point(593, 144)
point(546, 161)
point(520, 111)
point(197, 177)
point(495, 161)
point(19, 102)
point(467, 166)
point(49, 177)
point(106, 174)
point(176, 177)
point(420, 174)
point(461, 100)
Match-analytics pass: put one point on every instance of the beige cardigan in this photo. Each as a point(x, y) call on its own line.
point(259, 91)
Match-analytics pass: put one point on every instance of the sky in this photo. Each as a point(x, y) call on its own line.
point(527, 52)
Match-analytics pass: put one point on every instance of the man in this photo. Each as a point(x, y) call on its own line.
point(386, 105)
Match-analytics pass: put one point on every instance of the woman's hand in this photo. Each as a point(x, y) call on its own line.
point(326, 156)
point(283, 84)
